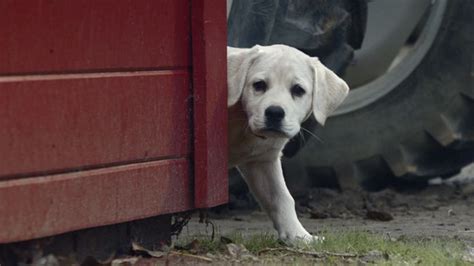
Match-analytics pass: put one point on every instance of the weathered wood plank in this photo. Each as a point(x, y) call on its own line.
point(61, 123)
point(42, 206)
point(39, 36)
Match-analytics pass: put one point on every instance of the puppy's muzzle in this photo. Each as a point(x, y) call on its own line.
point(274, 115)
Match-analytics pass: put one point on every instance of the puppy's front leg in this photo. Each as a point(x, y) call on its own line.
point(265, 180)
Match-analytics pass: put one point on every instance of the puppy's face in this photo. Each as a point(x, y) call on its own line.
point(277, 94)
point(279, 87)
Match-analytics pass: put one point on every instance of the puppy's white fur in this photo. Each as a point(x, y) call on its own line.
point(256, 151)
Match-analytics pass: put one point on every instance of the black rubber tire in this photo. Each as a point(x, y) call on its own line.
point(421, 129)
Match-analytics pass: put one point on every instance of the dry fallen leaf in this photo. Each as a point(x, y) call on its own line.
point(193, 247)
point(469, 256)
point(208, 259)
point(238, 251)
point(154, 253)
point(126, 261)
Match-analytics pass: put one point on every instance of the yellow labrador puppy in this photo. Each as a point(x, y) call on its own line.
point(272, 90)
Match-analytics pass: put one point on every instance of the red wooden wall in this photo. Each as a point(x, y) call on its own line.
point(209, 27)
point(110, 111)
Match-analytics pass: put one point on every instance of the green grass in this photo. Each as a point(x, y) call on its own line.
point(406, 251)
point(433, 251)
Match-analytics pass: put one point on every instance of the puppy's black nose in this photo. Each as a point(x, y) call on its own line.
point(274, 114)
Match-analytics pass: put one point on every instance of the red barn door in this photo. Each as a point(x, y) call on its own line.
point(110, 111)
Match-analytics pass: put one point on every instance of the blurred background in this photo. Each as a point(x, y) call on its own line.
point(409, 116)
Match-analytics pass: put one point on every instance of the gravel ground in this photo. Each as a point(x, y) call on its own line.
point(445, 208)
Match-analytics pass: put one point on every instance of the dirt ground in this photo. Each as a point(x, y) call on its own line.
point(445, 209)
point(403, 219)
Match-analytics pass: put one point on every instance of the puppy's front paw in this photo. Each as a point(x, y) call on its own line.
point(300, 239)
point(317, 239)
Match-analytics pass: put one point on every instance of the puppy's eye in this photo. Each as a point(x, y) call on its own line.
point(297, 91)
point(260, 86)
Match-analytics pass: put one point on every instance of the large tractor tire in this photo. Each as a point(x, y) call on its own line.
point(411, 124)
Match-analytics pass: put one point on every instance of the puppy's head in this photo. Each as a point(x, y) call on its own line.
point(279, 88)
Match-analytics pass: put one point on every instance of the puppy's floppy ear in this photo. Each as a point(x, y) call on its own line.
point(239, 61)
point(329, 91)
